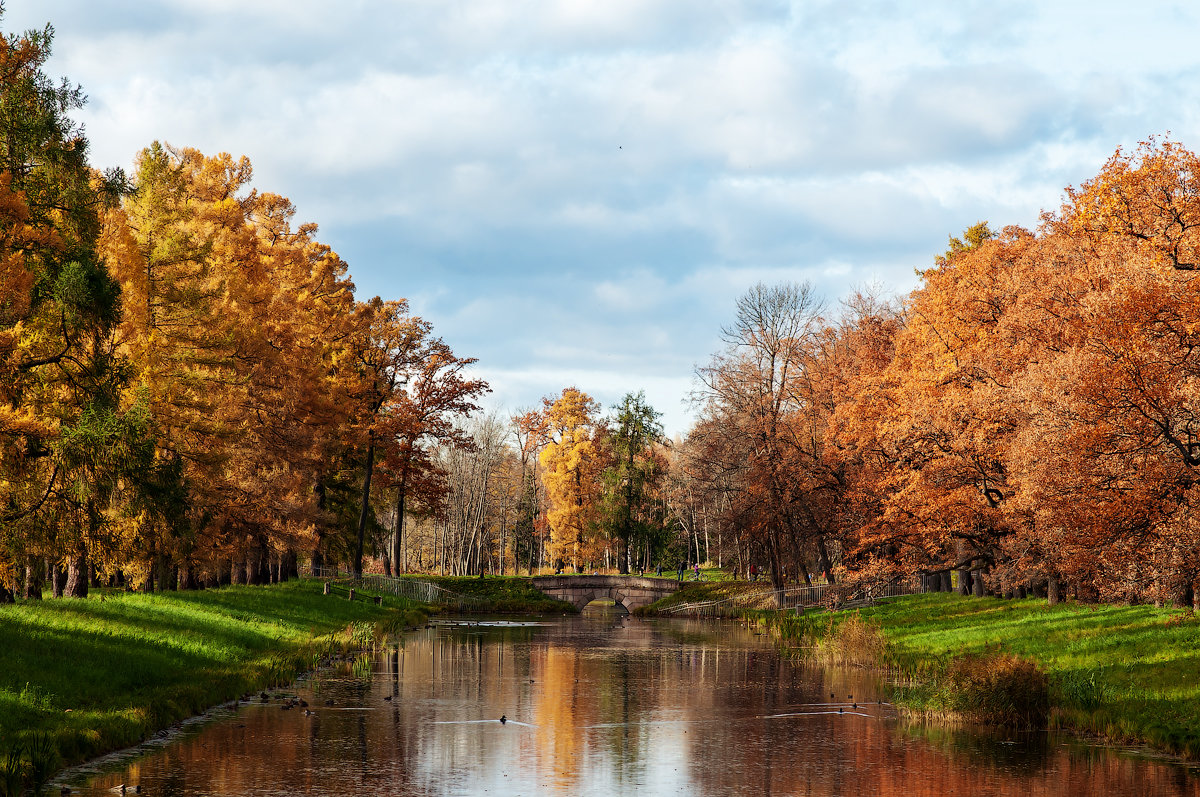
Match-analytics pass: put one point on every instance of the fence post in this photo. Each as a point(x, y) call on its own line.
point(327, 590)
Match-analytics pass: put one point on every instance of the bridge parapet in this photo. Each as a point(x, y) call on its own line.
point(631, 592)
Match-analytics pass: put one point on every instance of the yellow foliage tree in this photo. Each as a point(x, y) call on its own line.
point(573, 462)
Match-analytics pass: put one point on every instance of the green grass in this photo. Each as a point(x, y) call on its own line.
point(1127, 673)
point(103, 673)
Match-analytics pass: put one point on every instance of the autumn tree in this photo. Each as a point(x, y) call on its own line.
point(231, 315)
point(470, 525)
point(749, 400)
point(529, 524)
point(57, 308)
point(572, 459)
point(423, 414)
point(1035, 420)
point(385, 354)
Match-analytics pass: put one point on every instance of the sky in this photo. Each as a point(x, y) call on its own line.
point(575, 192)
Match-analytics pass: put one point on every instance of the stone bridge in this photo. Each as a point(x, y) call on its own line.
point(630, 592)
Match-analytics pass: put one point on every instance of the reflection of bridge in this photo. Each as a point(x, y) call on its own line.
point(631, 592)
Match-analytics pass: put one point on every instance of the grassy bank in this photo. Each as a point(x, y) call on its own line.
point(1130, 674)
point(740, 595)
point(82, 677)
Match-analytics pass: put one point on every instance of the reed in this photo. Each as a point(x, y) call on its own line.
point(12, 771)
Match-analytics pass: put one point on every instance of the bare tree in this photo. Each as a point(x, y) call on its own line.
point(751, 398)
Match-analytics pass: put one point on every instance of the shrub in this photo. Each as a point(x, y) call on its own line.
point(857, 642)
point(997, 689)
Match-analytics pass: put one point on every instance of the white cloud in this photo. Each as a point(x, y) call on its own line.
point(578, 190)
point(634, 292)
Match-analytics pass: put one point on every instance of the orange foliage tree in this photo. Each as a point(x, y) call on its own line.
point(1036, 422)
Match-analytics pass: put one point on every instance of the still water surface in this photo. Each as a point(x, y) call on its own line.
point(607, 706)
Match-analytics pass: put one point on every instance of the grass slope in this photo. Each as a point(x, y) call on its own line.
point(102, 673)
point(1129, 673)
point(737, 594)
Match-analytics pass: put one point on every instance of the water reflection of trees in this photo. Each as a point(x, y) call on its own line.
point(617, 707)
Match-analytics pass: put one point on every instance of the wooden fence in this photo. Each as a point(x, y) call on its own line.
point(409, 588)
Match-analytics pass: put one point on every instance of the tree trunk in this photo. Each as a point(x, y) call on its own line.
point(317, 560)
point(1053, 595)
point(34, 568)
point(165, 574)
point(824, 562)
point(77, 574)
point(964, 581)
point(977, 583)
point(258, 565)
point(360, 539)
point(58, 577)
point(1186, 596)
point(399, 546)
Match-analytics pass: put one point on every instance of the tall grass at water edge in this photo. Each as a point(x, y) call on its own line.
point(82, 677)
point(1129, 674)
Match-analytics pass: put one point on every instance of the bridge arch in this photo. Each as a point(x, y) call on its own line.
point(630, 592)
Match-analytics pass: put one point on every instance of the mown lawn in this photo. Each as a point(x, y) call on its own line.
point(102, 673)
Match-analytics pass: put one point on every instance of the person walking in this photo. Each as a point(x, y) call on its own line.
point(682, 567)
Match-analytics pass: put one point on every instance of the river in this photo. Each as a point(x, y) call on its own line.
point(604, 705)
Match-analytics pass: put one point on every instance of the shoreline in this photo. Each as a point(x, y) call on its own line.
point(226, 709)
point(917, 635)
point(157, 663)
point(1121, 675)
